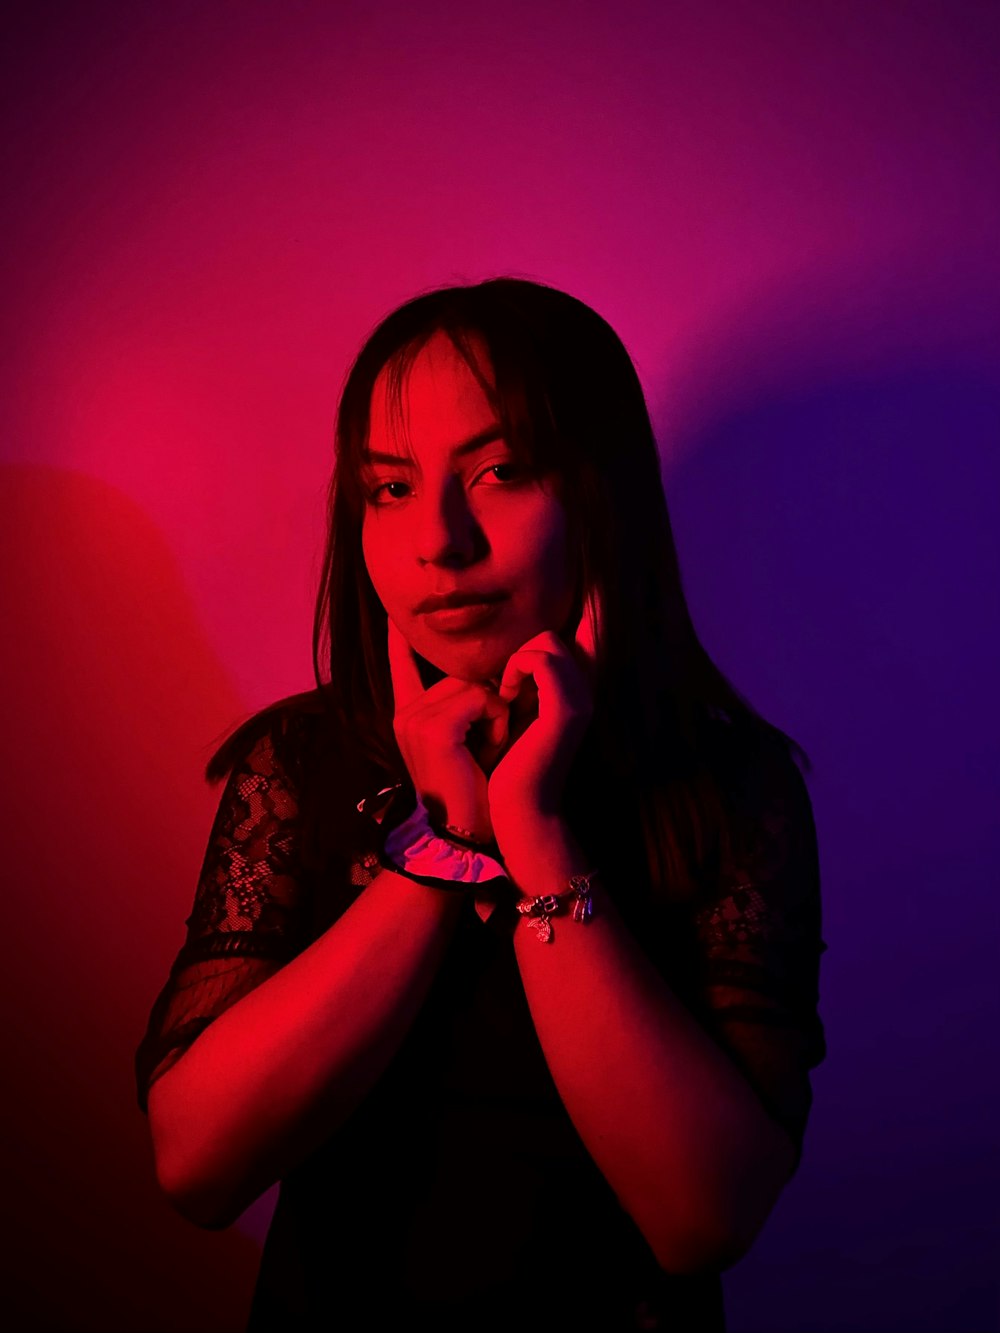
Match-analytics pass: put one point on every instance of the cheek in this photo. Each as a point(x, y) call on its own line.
point(541, 545)
point(378, 561)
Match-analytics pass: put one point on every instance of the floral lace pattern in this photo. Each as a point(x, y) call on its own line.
point(242, 925)
point(762, 930)
point(247, 880)
point(742, 917)
point(758, 947)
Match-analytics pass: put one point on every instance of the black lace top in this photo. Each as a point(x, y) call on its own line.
point(403, 1212)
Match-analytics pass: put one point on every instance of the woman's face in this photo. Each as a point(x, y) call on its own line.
point(461, 520)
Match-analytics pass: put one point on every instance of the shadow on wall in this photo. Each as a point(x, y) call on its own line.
point(111, 700)
point(839, 545)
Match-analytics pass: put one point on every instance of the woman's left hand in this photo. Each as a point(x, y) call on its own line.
point(526, 787)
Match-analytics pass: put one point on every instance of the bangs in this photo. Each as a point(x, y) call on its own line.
point(516, 395)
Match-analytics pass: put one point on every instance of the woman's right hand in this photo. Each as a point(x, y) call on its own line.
point(432, 730)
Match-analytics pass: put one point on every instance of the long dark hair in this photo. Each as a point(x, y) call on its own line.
point(651, 770)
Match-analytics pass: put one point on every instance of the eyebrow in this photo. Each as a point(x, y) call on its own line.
point(487, 436)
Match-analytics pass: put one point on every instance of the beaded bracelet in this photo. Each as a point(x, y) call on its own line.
point(541, 909)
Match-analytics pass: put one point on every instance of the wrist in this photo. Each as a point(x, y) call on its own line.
point(576, 901)
point(546, 857)
point(466, 837)
point(415, 849)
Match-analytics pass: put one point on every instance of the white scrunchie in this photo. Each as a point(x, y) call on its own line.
point(416, 848)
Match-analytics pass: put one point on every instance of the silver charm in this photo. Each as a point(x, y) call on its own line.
point(544, 927)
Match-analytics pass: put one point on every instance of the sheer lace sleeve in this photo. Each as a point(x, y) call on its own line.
point(243, 925)
point(759, 945)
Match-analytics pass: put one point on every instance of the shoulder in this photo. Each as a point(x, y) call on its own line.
point(757, 764)
point(282, 735)
point(757, 769)
point(775, 845)
point(774, 787)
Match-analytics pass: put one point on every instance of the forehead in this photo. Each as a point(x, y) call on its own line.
point(440, 399)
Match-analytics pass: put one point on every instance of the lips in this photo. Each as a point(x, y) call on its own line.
point(450, 600)
point(463, 619)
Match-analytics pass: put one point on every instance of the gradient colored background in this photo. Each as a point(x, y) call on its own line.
point(787, 209)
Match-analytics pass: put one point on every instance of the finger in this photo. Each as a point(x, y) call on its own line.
point(518, 666)
point(497, 715)
point(521, 667)
point(406, 682)
point(589, 628)
point(495, 718)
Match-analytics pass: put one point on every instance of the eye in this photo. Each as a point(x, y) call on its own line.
point(373, 494)
point(510, 466)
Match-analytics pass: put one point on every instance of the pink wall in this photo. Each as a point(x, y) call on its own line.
point(785, 211)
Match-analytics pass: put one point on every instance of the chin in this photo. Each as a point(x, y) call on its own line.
point(472, 661)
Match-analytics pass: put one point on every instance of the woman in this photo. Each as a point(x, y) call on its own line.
point(504, 956)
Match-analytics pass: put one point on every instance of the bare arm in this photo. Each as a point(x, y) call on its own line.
point(276, 1074)
point(672, 1123)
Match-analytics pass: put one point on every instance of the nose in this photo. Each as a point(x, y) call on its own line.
point(446, 528)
